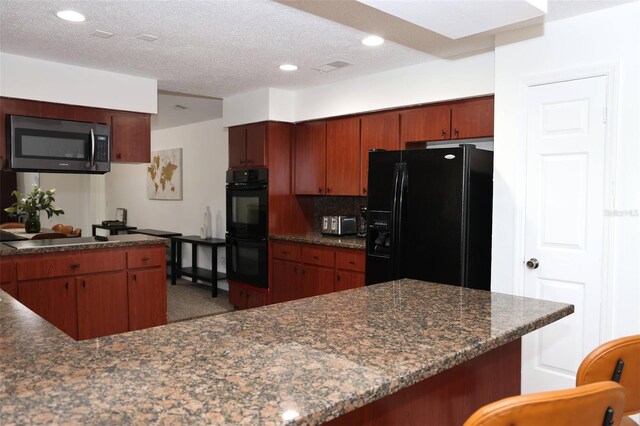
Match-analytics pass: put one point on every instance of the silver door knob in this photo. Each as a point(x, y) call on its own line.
point(533, 263)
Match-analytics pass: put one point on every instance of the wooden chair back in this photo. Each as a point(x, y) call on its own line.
point(617, 360)
point(12, 225)
point(596, 404)
point(49, 236)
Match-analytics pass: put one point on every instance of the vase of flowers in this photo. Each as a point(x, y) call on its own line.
point(31, 205)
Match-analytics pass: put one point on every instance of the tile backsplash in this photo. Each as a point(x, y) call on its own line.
point(336, 206)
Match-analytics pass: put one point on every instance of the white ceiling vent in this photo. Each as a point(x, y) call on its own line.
point(332, 66)
point(102, 34)
point(147, 37)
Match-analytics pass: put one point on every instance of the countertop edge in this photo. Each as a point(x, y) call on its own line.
point(349, 242)
point(140, 240)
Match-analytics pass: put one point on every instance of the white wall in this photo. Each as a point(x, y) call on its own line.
point(429, 82)
point(29, 78)
point(204, 163)
point(610, 36)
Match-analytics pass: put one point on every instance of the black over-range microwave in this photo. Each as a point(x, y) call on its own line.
point(59, 146)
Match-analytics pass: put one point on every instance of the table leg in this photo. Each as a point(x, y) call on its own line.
point(179, 259)
point(194, 262)
point(173, 262)
point(93, 230)
point(214, 271)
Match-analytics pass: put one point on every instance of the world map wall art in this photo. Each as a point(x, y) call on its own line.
point(164, 175)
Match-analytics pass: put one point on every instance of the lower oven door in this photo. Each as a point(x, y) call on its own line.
point(247, 261)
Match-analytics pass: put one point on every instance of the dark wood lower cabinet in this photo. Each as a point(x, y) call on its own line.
point(347, 280)
point(54, 300)
point(316, 280)
point(287, 285)
point(243, 296)
point(304, 270)
point(147, 298)
point(102, 305)
point(95, 293)
point(448, 398)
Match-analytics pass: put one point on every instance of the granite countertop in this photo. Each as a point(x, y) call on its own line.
point(325, 240)
point(300, 362)
point(87, 243)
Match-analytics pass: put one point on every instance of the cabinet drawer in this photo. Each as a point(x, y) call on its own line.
point(318, 255)
point(145, 257)
point(7, 271)
point(70, 264)
point(351, 260)
point(286, 251)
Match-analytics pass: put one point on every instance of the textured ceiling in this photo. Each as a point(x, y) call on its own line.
point(219, 48)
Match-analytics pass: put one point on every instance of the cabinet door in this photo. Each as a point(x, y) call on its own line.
point(54, 300)
point(255, 299)
point(102, 305)
point(147, 299)
point(8, 277)
point(310, 158)
point(285, 284)
point(256, 145)
point(237, 146)
point(378, 131)
point(430, 123)
point(472, 119)
point(130, 138)
point(237, 296)
point(347, 280)
point(316, 281)
point(343, 157)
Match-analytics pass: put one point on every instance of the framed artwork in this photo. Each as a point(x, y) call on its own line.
point(164, 175)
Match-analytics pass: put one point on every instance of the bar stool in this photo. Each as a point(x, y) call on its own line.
point(617, 360)
point(595, 404)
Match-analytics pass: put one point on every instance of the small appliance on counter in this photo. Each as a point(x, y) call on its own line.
point(339, 225)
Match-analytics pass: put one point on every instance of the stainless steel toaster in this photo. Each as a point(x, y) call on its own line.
point(339, 225)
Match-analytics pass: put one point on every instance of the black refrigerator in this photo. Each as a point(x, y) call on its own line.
point(429, 216)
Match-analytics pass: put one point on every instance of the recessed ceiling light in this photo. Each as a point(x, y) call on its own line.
point(288, 67)
point(372, 40)
point(71, 15)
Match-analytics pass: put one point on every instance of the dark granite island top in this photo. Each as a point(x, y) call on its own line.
point(301, 362)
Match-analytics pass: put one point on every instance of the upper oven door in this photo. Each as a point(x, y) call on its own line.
point(247, 210)
point(42, 144)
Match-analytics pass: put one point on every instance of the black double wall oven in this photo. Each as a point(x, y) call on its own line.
point(247, 226)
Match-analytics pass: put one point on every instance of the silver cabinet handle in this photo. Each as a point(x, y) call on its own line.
point(533, 263)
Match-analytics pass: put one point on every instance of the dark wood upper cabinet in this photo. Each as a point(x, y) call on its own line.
point(343, 156)
point(256, 145)
point(429, 123)
point(247, 146)
point(237, 146)
point(377, 131)
point(310, 158)
point(464, 119)
point(130, 137)
point(472, 119)
point(130, 131)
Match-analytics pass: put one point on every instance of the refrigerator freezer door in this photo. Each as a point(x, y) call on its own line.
point(433, 239)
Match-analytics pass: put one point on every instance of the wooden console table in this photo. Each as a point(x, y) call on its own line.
point(207, 275)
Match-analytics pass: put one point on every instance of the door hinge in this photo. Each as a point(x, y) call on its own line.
point(604, 114)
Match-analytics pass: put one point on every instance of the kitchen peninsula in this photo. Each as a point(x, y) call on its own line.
point(89, 288)
point(303, 362)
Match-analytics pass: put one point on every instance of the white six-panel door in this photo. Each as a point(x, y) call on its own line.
point(564, 217)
